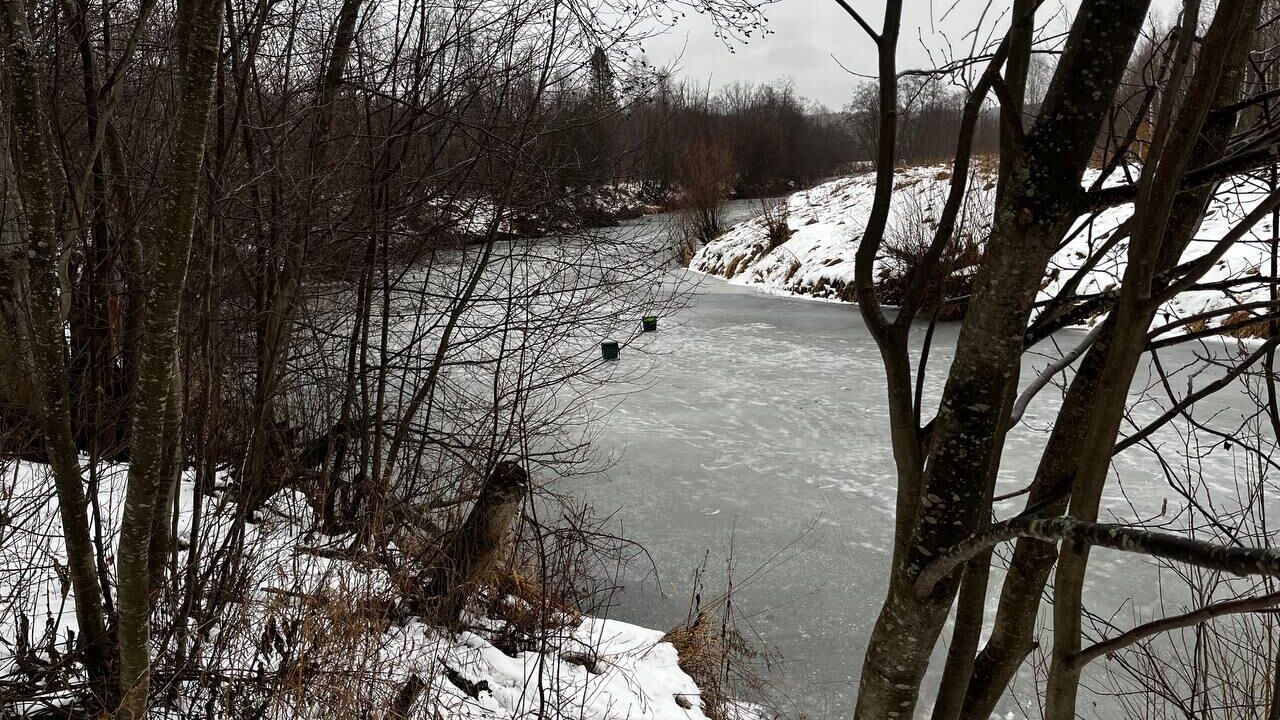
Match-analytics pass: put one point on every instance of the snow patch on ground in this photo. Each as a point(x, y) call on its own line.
point(587, 668)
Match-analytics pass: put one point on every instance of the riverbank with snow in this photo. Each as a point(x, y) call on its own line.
point(309, 634)
point(826, 223)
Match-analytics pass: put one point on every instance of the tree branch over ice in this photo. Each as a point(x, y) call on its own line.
point(1057, 366)
point(1195, 617)
point(1182, 406)
point(1208, 175)
point(1235, 560)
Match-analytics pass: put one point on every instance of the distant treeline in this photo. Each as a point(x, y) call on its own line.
point(930, 106)
point(929, 115)
point(773, 138)
point(756, 139)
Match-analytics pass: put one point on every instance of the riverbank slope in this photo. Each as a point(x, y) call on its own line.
point(825, 225)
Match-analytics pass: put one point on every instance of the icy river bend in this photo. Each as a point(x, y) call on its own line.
point(762, 425)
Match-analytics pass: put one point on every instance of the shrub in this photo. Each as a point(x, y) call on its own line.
point(775, 214)
point(908, 240)
point(706, 176)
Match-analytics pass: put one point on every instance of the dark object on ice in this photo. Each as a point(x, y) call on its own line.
point(609, 349)
point(650, 323)
point(470, 554)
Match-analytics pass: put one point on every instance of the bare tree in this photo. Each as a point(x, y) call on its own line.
point(947, 465)
point(317, 261)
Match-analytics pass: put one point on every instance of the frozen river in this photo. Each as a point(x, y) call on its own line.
point(762, 426)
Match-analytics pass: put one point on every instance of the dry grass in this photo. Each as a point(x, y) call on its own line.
point(527, 612)
point(792, 269)
point(1241, 327)
point(712, 651)
point(732, 268)
point(685, 252)
point(907, 242)
point(706, 172)
point(775, 215)
point(704, 655)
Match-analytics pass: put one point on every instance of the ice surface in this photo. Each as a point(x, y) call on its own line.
point(764, 425)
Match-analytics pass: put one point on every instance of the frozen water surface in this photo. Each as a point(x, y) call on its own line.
point(762, 424)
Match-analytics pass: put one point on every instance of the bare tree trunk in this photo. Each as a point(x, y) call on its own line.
point(972, 601)
point(17, 389)
point(198, 32)
point(38, 176)
point(1159, 190)
point(1012, 633)
point(1011, 639)
point(904, 432)
point(1029, 223)
point(161, 535)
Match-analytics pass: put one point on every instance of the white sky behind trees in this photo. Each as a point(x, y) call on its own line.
point(810, 36)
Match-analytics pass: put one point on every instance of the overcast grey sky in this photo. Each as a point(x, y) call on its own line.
point(808, 33)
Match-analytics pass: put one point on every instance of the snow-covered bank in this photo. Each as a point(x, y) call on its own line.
point(306, 610)
point(826, 223)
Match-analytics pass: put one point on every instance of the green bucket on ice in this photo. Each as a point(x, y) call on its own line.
point(609, 349)
point(649, 322)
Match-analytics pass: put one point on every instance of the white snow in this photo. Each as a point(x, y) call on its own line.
point(633, 673)
point(827, 222)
